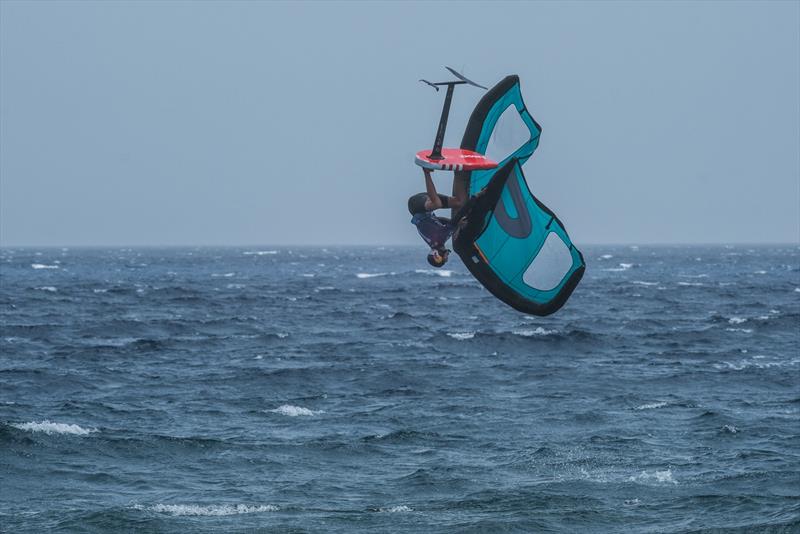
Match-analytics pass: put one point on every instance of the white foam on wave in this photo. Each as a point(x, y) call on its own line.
point(622, 267)
point(641, 283)
point(797, 290)
point(659, 477)
point(760, 272)
point(47, 288)
point(652, 405)
point(370, 275)
point(437, 272)
point(606, 257)
point(743, 330)
point(207, 510)
point(54, 428)
point(43, 266)
point(756, 362)
point(396, 509)
point(295, 411)
point(690, 284)
point(260, 252)
point(538, 331)
point(461, 336)
point(223, 275)
point(309, 275)
point(737, 320)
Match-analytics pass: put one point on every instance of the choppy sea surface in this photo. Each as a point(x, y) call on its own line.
point(360, 390)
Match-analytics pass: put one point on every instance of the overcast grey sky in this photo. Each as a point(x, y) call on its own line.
point(158, 123)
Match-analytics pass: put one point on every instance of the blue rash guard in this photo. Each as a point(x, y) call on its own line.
point(434, 230)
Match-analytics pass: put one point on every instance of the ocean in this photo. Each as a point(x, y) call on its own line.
point(298, 389)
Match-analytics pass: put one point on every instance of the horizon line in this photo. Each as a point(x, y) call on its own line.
point(397, 245)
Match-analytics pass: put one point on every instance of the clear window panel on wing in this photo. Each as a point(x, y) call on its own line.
point(508, 135)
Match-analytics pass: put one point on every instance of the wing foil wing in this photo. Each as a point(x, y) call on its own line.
point(523, 255)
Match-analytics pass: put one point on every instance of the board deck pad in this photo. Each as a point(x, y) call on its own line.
point(455, 159)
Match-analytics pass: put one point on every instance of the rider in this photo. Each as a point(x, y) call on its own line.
point(433, 229)
point(469, 215)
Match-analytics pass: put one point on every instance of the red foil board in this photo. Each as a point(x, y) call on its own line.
point(455, 159)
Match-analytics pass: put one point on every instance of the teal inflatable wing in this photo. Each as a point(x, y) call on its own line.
point(520, 250)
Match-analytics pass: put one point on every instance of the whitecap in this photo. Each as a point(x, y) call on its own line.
point(225, 275)
point(652, 406)
point(660, 477)
point(606, 257)
point(99, 290)
point(730, 429)
point(538, 331)
point(438, 272)
point(737, 320)
point(756, 362)
point(640, 283)
point(396, 509)
point(43, 266)
point(622, 267)
point(461, 335)
point(54, 428)
point(295, 411)
point(309, 275)
point(260, 252)
point(760, 272)
point(370, 275)
point(690, 284)
point(207, 510)
point(47, 288)
point(743, 330)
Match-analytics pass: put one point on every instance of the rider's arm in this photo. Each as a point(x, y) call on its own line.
point(433, 202)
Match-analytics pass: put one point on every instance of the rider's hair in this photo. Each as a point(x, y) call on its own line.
point(443, 252)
